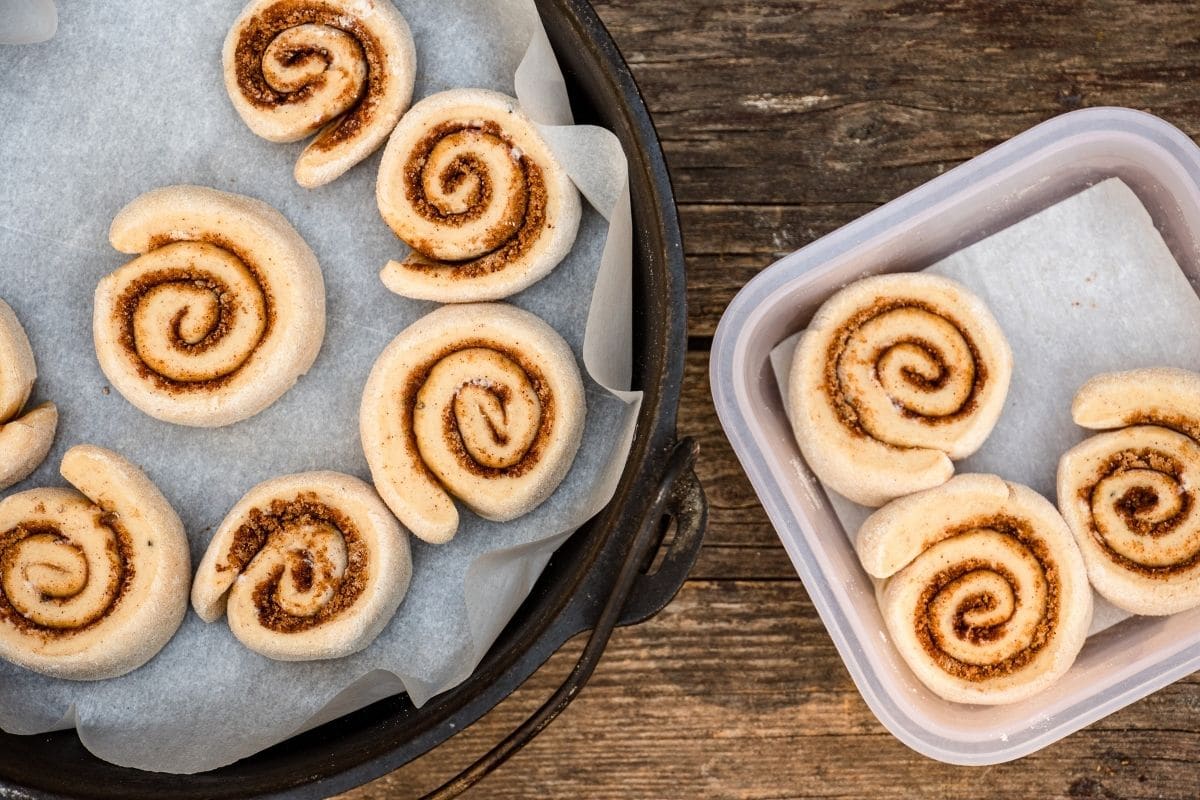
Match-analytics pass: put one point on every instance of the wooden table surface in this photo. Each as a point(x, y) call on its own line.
point(782, 121)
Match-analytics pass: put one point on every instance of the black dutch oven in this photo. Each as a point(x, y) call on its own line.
point(599, 579)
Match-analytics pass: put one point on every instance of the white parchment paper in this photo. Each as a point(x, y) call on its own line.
point(27, 21)
point(127, 97)
point(1083, 287)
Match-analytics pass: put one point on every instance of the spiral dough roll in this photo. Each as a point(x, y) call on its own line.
point(25, 438)
point(220, 316)
point(896, 377)
point(309, 566)
point(93, 582)
point(468, 182)
point(483, 402)
point(985, 595)
point(1130, 495)
point(342, 69)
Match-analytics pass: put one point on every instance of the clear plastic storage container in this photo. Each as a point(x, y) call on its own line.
point(1019, 178)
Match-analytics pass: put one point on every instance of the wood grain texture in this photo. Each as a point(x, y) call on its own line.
point(784, 120)
point(781, 122)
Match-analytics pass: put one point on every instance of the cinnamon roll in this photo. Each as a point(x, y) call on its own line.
point(985, 596)
point(896, 377)
point(481, 402)
point(93, 583)
point(307, 567)
point(219, 317)
point(1130, 495)
point(25, 439)
point(342, 69)
point(468, 182)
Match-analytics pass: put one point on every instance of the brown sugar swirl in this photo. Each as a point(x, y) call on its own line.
point(1130, 494)
point(483, 402)
point(968, 618)
point(340, 69)
point(307, 566)
point(93, 582)
point(194, 322)
point(896, 377)
point(985, 593)
point(902, 362)
point(469, 184)
point(218, 317)
point(66, 600)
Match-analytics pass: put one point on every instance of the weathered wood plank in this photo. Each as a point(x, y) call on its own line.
point(727, 245)
point(839, 107)
point(735, 515)
point(784, 102)
point(737, 692)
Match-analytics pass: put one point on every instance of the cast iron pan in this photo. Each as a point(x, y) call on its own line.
point(597, 580)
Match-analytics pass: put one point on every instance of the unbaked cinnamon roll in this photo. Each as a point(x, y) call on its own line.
point(94, 582)
point(482, 402)
point(986, 595)
point(896, 377)
point(25, 438)
point(307, 567)
point(468, 182)
point(219, 317)
point(342, 69)
point(1130, 495)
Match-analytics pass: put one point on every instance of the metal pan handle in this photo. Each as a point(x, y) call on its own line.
point(635, 597)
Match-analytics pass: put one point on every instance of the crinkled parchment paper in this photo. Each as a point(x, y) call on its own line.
point(129, 96)
point(1083, 287)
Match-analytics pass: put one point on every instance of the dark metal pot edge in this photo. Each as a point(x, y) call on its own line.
point(661, 324)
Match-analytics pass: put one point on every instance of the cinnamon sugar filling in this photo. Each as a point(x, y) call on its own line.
point(1136, 501)
point(844, 406)
point(126, 305)
point(930, 638)
point(274, 521)
point(508, 244)
point(262, 29)
point(119, 583)
point(450, 427)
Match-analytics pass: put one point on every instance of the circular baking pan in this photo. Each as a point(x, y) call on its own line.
point(600, 578)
